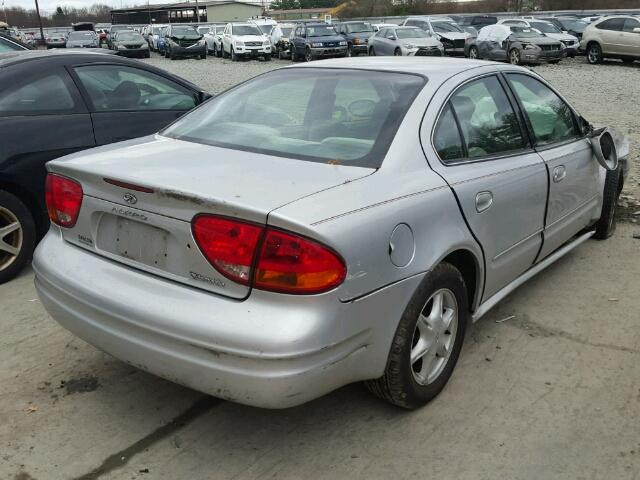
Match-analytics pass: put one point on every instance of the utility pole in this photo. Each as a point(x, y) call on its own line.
point(40, 23)
point(197, 12)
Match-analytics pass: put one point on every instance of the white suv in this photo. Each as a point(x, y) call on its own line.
point(245, 40)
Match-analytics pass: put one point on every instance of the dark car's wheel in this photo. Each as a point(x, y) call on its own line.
point(349, 51)
point(514, 56)
point(554, 62)
point(594, 53)
point(606, 225)
point(17, 236)
point(267, 58)
point(147, 55)
point(427, 342)
point(308, 56)
point(397, 52)
point(372, 52)
point(473, 53)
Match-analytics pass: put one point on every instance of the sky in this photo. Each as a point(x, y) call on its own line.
point(48, 6)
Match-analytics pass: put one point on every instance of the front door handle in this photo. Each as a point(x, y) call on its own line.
point(483, 201)
point(559, 173)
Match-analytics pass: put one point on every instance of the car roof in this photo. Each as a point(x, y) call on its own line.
point(436, 68)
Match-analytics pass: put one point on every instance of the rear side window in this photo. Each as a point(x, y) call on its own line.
point(118, 87)
point(614, 24)
point(550, 117)
point(446, 137)
point(46, 95)
point(487, 120)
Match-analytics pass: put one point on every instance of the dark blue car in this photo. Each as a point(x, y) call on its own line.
point(310, 41)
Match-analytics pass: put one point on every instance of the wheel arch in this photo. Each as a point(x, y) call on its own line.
point(471, 270)
point(31, 202)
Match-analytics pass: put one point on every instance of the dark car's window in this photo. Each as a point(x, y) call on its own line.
point(550, 117)
point(446, 137)
point(46, 95)
point(359, 27)
point(348, 117)
point(488, 122)
point(545, 27)
point(7, 46)
point(630, 24)
point(118, 87)
point(614, 24)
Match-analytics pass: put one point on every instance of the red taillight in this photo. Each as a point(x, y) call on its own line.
point(292, 264)
point(229, 245)
point(286, 263)
point(64, 198)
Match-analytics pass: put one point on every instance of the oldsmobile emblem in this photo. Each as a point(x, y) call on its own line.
point(130, 198)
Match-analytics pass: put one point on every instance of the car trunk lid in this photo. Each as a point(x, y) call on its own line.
point(140, 198)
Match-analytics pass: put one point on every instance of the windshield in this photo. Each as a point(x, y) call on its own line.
point(320, 31)
point(544, 27)
point(128, 36)
point(157, 30)
point(286, 31)
point(81, 36)
point(266, 29)
point(574, 25)
point(446, 27)
point(184, 30)
point(203, 30)
point(359, 27)
point(411, 33)
point(522, 32)
point(245, 30)
point(310, 114)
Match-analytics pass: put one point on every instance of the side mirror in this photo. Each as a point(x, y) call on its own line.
point(604, 148)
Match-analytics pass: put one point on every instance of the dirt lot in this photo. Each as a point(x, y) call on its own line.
point(552, 392)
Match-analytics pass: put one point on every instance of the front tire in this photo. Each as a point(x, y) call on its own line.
point(308, 55)
point(427, 342)
point(234, 57)
point(594, 54)
point(514, 57)
point(17, 236)
point(473, 53)
point(606, 225)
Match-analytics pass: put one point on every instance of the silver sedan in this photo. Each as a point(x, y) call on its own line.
point(404, 41)
point(324, 224)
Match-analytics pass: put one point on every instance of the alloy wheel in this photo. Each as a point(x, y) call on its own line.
point(473, 53)
point(308, 56)
point(514, 57)
point(434, 336)
point(594, 54)
point(11, 237)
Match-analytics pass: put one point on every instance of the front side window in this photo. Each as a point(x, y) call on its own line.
point(118, 87)
point(47, 95)
point(614, 24)
point(630, 24)
point(307, 114)
point(487, 120)
point(550, 117)
point(8, 46)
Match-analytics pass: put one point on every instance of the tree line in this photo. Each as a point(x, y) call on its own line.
point(62, 17)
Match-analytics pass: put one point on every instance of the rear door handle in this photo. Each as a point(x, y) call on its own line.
point(559, 173)
point(483, 201)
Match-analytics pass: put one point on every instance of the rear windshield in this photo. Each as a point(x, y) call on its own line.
point(323, 115)
point(81, 35)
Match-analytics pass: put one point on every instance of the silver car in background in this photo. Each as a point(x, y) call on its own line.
point(324, 224)
point(452, 36)
point(82, 39)
point(404, 41)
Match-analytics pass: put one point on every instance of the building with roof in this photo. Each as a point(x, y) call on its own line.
point(185, 12)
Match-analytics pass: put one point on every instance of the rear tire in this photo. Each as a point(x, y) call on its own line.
point(17, 236)
point(397, 52)
point(606, 225)
point(267, 58)
point(473, 53)
point(594, 53)
point(411, 384)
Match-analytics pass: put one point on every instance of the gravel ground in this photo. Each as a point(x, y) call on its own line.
point(604, 94)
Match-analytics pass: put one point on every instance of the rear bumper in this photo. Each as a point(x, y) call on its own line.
point(271, 350)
